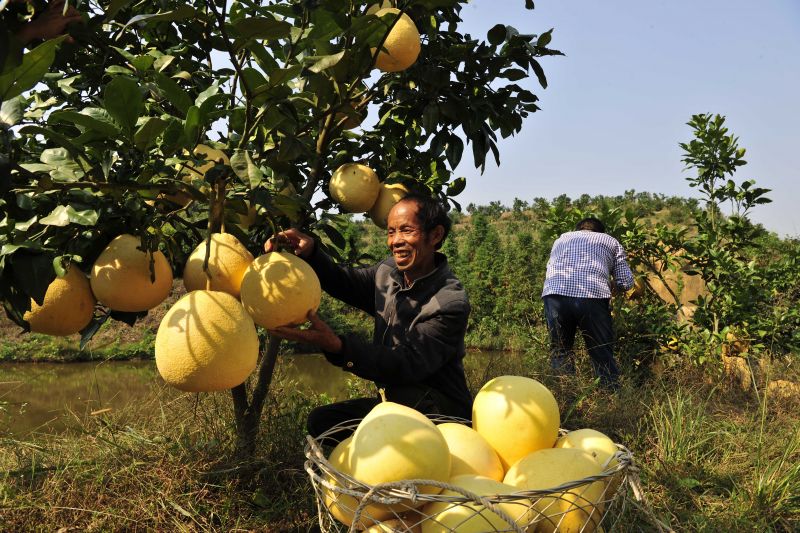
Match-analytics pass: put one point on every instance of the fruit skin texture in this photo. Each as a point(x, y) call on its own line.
point(597, 444)
point(343, 506)
point(473, 517)
point(67, 307)
point(279, 289)
point(402, 44)
point(516, 415)
point(355, 187)
point(121, 276)
point(470, 453)
point(206, 342)
point(227, 262)
point(388, 195)
point(395, 442)
point(567, 512)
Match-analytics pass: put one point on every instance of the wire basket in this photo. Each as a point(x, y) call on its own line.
point(346, 504)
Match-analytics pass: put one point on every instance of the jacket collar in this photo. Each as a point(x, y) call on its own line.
point(440, 270)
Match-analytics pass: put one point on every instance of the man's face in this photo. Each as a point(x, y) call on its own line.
point(413, 249)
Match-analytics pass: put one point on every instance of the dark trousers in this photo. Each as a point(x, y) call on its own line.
point(424, 399)
point(592, 316)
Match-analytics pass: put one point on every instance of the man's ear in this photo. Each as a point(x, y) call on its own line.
point(437, 234)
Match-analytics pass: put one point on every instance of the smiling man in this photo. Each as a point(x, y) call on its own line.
point(420, 311)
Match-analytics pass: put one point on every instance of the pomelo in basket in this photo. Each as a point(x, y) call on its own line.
point(470, 453)
point(573, 510)
point(279, 289)
point(355, 187)
point(67, 307)
point(516, 415)
point(394, 442)
point(206, 342)
point(473, 517)
point(228, 260)
point(121, 279)
point(343, 506)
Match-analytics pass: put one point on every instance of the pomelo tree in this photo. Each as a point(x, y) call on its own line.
point(171, 120)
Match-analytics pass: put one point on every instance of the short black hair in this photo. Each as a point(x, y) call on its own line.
point(430, 213)
point(591, 224)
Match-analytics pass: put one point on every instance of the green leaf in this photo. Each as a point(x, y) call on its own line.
point(528, 4)
point(32, 273)
point(334, 235)
point(142, 63)
point(430, 117)
point(123, 101)
point(456, 187)
point(114, 7)
point(173, 92)
point(262, 28)
point(11, 111)
point(148, 132)
point(58, 266)
point(545, 38)
point(497, 34)
point(92, 118)
point(539, 71)
point(244, 167)
point(183, 12)
point(454, 151)
point(64, 215)
point(30, 71)
point(193, 123)
point(323, 62)
point(205, 95)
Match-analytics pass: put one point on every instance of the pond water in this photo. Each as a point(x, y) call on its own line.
point(52, 397)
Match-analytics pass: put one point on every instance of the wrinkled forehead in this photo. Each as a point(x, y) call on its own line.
point(406, 210)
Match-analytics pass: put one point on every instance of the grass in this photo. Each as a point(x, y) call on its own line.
point(711, 458)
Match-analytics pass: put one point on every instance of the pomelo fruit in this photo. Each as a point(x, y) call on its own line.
point(67, 308)
point(355, 187)
point(402, 45)
point(121, 277)
point(279, 289)
point(206, 342)
point(227, 262)
point(516, 415)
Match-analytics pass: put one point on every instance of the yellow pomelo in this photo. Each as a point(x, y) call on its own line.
point(279, 289)
point(227, 262)
point(206, 342)
point(573, 510)
point(402, 44)
point(212, 156)
point(374, 8)
point(637, 290)
point(597, 444)
point(516, 415)
point(395, 525)
point(121, 276)
point(67, 307)
point(474, 517)
point(343, 506)
point(189, 171)
point(351, 117)
point(355, 187)
point(470, 453)
point(394, 442)
point(388, 195)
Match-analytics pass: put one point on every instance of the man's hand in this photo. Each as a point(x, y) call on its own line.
point(51, 23)
point(301, 244)
point(319, 334)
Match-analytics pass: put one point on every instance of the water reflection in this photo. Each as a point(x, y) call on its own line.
point(52, 397)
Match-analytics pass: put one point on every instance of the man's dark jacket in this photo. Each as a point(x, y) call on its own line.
point(419, 330)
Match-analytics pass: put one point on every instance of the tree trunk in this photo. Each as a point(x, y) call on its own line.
point(248, 410)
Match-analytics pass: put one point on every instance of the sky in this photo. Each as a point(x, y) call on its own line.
point(634, 73)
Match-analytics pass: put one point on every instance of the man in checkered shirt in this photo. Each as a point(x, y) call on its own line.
point(577, 295)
